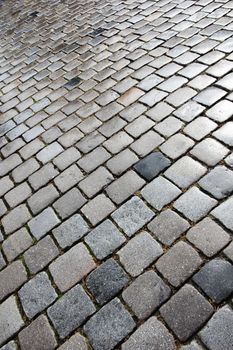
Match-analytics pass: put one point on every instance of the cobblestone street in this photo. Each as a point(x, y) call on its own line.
point(116, 174)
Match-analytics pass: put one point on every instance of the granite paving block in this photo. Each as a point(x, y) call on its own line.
point(109, 326)
point(71, 267)
point(168, 226)
point(39, 335)
point(179, 263)
point(208, 237)
point(70, 311)
point(192, 310)
point(139, 253)
point(37, 294)
point(160, 192)
point(194, 204)
point(217, 334)
point(145, 294)
point(153, 164)
point(104, 239)
point(215, 278)
point(10, 316)
point(106, 281)
point(132, 216)
point(151, 335)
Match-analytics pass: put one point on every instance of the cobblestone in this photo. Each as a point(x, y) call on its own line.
point(198, 310)
point(71, 267)
point(38, 335)
point(10, 315)
point(41, 254)
point(116, 119)
point(70, 311)
point(180, 255)
point(146, 294)
point(139, 253)
point(37, 294)
point(217, 333)
point(151, 335)
point(109, 326)
point(106, 281)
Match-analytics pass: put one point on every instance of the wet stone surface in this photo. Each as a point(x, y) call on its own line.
point(116, 180)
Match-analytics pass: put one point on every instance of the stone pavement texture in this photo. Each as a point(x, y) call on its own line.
point(116, 174)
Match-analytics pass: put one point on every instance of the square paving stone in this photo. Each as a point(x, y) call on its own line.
point(146, 294)
point(218, 182)
point(160, 192)
point(221, 112)
point(106, 281)
point(37, 294)
point(70, 231)
point(124, 187)
point(216, 279)
point(12, 277)
point(210, 95)
point(98, 208)
point(169, 126)
point(71, 267)
point(209, 151)
point(139, 253)
point(225, 134)
point(168, 226)
point(39, 335)
point(43, 223)
point(217, 334)
point(152, 165)
point(189, 111)
point(194, 204)
point(104, 239)
point(179, 263)
point(224, 213)
point(109, 326)
point(176, 145)
point(152, 335)
point(69, 203)
point(199, 128)
point(132, 216)
point(208, 237)
point(17, 243)
point(191, 311)
point(185, 171)
point(10, 316)
point(70, 311)
point(41, 254)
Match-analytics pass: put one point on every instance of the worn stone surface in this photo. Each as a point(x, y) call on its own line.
point(71, 267)
point(37, 294)
point(216, 279)
point(139, 252)
point(191, 310)
point(151, 335)
point(38, 335)
point(10, 316)
point(146, 294)
point(109, 326)
point(116, 171)
point(106, 281)
point(104, 239)
point(70, 311)
point(132, 216)
point(217, 334)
